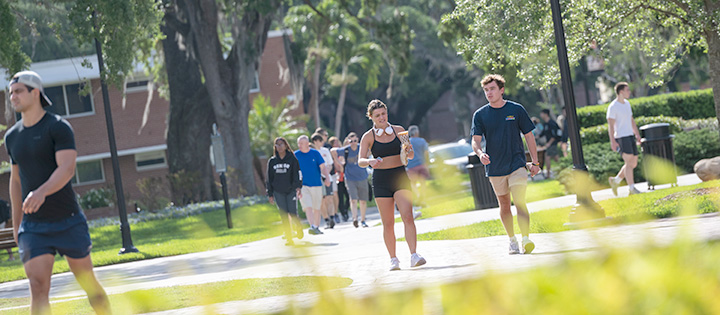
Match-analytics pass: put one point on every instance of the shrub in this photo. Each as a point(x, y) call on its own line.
point(694, 145)
point(153, 190)
point(686, 105)
point(97, 198)
point(701, 123)
point(599, 134)
point(601, 162)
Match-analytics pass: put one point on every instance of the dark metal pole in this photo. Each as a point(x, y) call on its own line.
point(585, 208)
point(124, 225)
point(228, 215)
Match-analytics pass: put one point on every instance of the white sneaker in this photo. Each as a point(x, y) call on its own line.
point(635, 191)
point(394, 264)
point(514, 249)
point(613, 185)
point(417, 260)
point(528, 245)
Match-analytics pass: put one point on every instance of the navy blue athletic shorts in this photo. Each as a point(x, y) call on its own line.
point(67, 237)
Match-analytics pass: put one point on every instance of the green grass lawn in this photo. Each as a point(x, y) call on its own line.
point(637, 208)
point(170, 237)
point(170, 298)
point(455, 202)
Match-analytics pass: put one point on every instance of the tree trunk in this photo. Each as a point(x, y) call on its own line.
point(341, 103)
point(189, 124)
point(315, 93)
point(713, 41)
point(229, 81)
point(296, 69)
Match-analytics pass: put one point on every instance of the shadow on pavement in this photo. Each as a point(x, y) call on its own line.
point(589, 249)
point(439, 267)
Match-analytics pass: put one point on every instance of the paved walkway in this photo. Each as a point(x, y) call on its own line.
point(359, 254)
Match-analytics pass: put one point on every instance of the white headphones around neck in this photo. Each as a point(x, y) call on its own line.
point(388, 130)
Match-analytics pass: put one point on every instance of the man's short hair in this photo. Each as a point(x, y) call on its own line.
point(493, 77)
point(317, 137)
point(303, 137)
point(413, 130)
point(545, 111)
point(320, 130)
point(620, 86)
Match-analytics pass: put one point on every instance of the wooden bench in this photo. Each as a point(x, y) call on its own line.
point(6, 238)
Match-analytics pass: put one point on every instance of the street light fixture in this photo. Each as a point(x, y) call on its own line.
point(585, 208)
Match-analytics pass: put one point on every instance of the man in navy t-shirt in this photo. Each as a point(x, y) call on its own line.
point(500, 123)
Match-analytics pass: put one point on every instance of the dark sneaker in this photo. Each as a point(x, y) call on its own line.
point(313, 231)
point(317, 231)
point(337, 219)
point(346, 217)
point(364, 224)
point(355, 223)
point(329, 223)
point(613, 185)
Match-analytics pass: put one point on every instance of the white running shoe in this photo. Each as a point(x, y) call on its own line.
point(635, 191)
point(528, 245)
point(613, 185)
point(514, 249)
point(417, 260)
point(394, 264)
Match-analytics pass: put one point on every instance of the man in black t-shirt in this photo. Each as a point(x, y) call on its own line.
point(553, 134)
point(47, 218)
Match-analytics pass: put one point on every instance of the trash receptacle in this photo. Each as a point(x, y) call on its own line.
point(482, 190)
point(657, 141)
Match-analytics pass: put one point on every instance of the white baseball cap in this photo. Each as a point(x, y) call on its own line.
point(33, 80)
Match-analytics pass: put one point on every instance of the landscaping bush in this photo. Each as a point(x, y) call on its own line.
point(701, 123)
point(601, 162)
point(599, 133)
point(153, 190)
point(686, 105)
point(694, 145)
point(97, 198)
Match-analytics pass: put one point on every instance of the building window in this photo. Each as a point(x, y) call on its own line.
point(68, 102)
point(150, 160)
point(137, 86)
point(256, 84)
point(90, 172)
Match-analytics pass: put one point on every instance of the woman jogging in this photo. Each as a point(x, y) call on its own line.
point(391, 184)
point(284, 185)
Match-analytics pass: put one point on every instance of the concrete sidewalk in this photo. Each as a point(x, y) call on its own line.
point(360, 254)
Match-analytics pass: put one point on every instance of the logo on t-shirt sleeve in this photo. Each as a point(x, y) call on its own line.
point(510, 117)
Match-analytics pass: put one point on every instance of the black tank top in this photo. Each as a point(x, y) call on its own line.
point(384, 149)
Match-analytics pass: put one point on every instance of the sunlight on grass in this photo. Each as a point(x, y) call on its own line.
point(169, 237)
point(170, 298)
point(689, 200)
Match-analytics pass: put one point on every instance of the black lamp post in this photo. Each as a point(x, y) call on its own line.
point(127, 243)
point(585, 208)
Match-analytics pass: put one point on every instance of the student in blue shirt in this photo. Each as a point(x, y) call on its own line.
point(500, 123)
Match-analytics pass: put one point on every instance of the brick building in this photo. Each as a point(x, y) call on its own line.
point(141, 149)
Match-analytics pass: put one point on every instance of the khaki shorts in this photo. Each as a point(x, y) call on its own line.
point(502, 184)
point(311, 197)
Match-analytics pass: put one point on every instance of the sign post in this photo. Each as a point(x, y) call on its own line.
point(221, 167)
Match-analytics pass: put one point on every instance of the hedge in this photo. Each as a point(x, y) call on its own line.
point(686, 105)
point(599, 134)
point(694, 145)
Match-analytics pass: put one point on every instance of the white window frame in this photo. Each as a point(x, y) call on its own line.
point(65, 102)
point(150, 156)
point(257, 80)
point(92, 182)
point(136, 89)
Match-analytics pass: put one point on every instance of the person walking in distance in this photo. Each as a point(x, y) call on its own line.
point(500, 123)
point(47, 218)
point(284, 187)
point(312, 169)
point(339, 191)
point(327, 209)
point(562, 122)
point(355, 179)
point(391, 184)
point(624, 137)
point(417, 166)
point(552, 134)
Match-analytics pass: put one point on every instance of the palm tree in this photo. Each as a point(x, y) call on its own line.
point(349, 51)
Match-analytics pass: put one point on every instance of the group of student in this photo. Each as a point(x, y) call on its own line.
point(48, 220)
